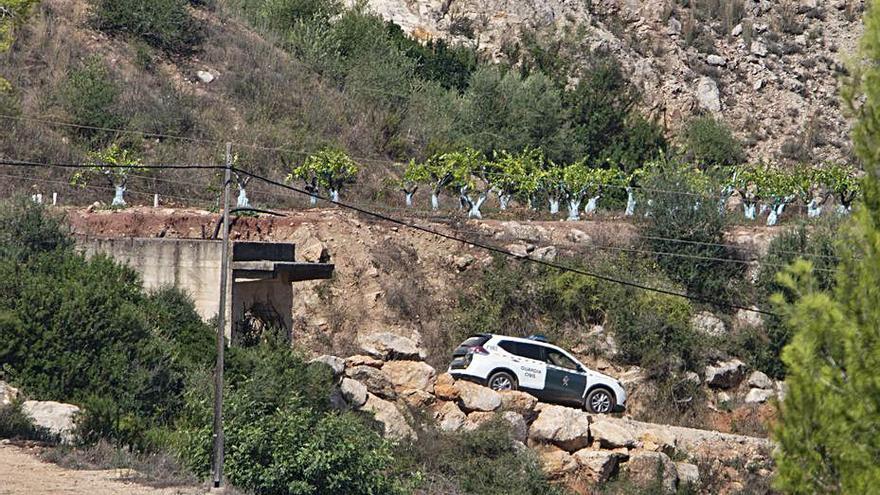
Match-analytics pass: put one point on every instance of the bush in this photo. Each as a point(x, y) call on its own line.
point(484, 461)
point(28, 228)
point(281, 437)
point(164, 24)
point(710, 143)
point(91, 98)
point(693, 215)
point(16, 425)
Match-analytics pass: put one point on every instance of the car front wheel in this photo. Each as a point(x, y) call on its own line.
point(502, 381)
point(600, 401)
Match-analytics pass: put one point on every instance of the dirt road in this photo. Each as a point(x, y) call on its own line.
point(24, 474)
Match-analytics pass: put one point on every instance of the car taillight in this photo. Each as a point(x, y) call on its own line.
point(479, 350)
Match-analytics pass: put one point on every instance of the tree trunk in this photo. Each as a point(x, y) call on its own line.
point(843, 210)
point(313, 200)
point(243, 201)
point(474, 210)
point(119, 197)
point(574, 210)
point(554, 206)
point(775, 213)
point(592, 204)
point(630, 202)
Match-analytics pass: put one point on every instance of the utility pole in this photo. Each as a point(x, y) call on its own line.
point(221, 327)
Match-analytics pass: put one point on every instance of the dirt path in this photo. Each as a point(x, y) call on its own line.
point(24, 474)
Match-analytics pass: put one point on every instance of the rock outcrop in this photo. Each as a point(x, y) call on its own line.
point(56, 417)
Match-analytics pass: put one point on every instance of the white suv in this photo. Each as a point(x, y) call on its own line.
point(537, 367)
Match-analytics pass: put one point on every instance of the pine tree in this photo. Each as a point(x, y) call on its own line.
point(829, 428)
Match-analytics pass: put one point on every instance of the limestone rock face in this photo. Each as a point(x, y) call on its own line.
point(598, 465)
point(56, 417)
point(449, 417)
point(726, 374)
point(760, 380)
point(518, 426)
point(410, 375)
point(336, 364)
point(658, 440)
point(758, 396)
point(354, 392)
point(8, 393)
point(477, 419)
point(708, 324)
point(611, 435)
point(396, 427)
point(444, 387)
point(520, 402)
point(417, 399)
point(643, 468)
point(376, 381)
point(362, 360)
point(563, 426)
point(387, 345)
point(688, 474)
point(555, 461)
point(473, 397)
point(708, 95)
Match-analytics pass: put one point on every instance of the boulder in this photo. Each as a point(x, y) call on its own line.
point(396, 427)
point(362, 360)
point(312, 250)
point(449, 417)
point(417, 399)
point(474, 397)
point(205, 76)
point(336, 364)
point(565, 427)
point(658, 440)
point(547, 253)
point(611, 435)
point(519, 249)
point(578, 236)
point(758, 396)
point(716, 60)
point(598, 465)
point(759, 380)
point(477, 419)
point(387, 345)
point(707, 323)
point(555, 461)
point(519, 429)
point(747, 319)
point(520, 402)
point(410, 375)
point(354, 392)
point(759, 48)
point(8, 393)
point(57, 418)
point(708, 95)
point(376, 381)
point(688, 474)
point(444, 387)
point(644, 468)
point(726, 374)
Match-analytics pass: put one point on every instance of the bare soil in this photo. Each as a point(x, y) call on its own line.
point(21, 472)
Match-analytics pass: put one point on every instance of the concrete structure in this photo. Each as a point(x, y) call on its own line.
point(262, 275)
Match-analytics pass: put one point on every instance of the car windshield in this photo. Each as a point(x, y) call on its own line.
point(557, 358)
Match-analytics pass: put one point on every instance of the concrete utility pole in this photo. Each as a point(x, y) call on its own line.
point(221, 327)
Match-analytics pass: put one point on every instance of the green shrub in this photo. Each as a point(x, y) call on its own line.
point(91, 97)
point(709, 143)
point(484, 461)
point(28, 228)
point(692, 213)
point(164, 24)
point(16, 425)
point(281, 437)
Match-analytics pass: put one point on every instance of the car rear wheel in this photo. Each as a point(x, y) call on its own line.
point(501, 381)
point(600, 401)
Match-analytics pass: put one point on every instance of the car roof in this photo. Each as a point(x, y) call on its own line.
point(525, 340)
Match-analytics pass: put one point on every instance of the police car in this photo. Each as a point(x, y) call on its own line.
point(535, 366)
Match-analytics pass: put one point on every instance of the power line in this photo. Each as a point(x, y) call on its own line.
point(501, 251)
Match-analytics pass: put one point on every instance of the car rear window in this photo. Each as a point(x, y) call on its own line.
point(475, 341)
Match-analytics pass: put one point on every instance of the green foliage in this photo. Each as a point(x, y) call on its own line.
point(15, 424)
point(826, 435)
point(484, 461)
point(281, 436)
point(328, 169)
point(164, 24)
point(91, 97)
point(13, 13)
point(114, 163)
point(709, 143)
point(27, 228)
point(695, 215)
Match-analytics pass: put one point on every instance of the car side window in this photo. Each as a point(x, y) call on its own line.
point(530, 351)
point(508, 346)
point(557, 358)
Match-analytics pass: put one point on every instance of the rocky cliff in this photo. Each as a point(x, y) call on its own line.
point(770, 69)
